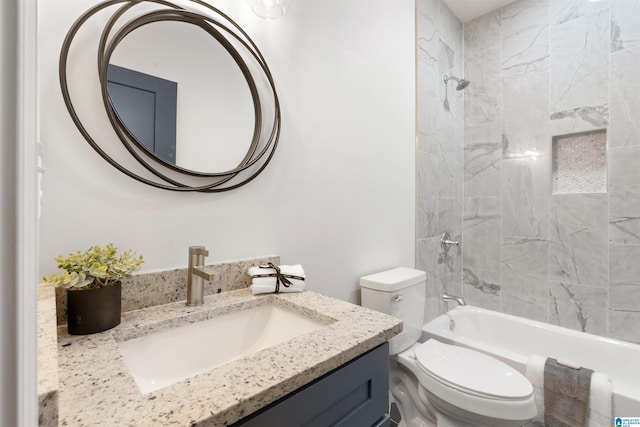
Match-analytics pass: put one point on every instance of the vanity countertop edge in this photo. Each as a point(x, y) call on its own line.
point(47, 363)
point(95, 387)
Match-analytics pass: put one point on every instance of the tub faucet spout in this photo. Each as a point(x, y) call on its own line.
point(459, 300)
point(197, 274)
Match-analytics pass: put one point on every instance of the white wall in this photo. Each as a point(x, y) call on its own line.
point(337, 197)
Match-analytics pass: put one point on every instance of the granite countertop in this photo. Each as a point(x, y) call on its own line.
point(96, 389)
point(47, 358)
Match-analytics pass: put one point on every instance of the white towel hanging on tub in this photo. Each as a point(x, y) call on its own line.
point(600, 400)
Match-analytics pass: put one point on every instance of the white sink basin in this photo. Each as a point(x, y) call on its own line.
point(171, 355)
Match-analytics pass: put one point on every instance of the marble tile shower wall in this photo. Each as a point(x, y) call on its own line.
point(541, 68)
point(439, 151)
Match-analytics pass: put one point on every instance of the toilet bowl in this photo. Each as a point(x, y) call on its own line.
point(437, 384)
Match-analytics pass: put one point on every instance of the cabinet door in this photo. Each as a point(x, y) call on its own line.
point(353, 395)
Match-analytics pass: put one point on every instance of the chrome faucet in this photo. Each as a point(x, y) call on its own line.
point(197, 274)
point(459, 300)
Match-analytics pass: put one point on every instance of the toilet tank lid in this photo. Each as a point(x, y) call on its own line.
point(393, 280)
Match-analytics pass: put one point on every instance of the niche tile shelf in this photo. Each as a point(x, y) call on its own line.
point(580, 163)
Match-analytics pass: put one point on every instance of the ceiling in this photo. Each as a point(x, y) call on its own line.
point(466, 10)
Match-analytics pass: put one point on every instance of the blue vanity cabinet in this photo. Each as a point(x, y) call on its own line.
point(353, 395)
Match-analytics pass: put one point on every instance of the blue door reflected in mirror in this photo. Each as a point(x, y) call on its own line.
point(146, 105)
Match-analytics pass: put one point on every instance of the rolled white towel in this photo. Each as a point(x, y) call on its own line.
point(292, 270)
point(268, 288)
point(271, 281)
point(266, 285)
point(535, 375)
point(600, 396)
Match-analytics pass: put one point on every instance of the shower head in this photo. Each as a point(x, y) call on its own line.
point(462, 83)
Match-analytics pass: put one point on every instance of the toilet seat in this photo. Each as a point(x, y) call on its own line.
point(471, 372)
point(465, 379)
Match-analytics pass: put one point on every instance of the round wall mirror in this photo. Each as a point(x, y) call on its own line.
point(211, 94)
point(188, 94)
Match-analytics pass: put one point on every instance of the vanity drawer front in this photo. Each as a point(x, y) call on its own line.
point(353, 395)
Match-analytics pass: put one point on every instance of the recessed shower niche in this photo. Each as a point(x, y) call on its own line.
point(580, 163)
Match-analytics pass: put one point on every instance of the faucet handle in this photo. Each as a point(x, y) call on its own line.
point(198, 250)
point(207, 273)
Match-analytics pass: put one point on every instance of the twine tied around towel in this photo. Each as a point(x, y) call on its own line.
point(280, 277)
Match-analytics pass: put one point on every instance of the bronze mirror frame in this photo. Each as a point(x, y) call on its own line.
point(226, 32)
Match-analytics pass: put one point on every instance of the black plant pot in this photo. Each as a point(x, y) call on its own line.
point(93, 310)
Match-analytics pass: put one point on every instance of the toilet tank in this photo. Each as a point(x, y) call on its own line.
point(399, 292)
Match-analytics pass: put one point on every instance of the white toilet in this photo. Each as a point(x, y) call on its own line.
point(440, 384)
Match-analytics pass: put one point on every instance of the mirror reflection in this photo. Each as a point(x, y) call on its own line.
point(183, 96)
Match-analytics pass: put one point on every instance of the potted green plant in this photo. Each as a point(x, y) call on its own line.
point(93, 282)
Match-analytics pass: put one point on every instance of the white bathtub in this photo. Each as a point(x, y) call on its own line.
point(514, 339)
